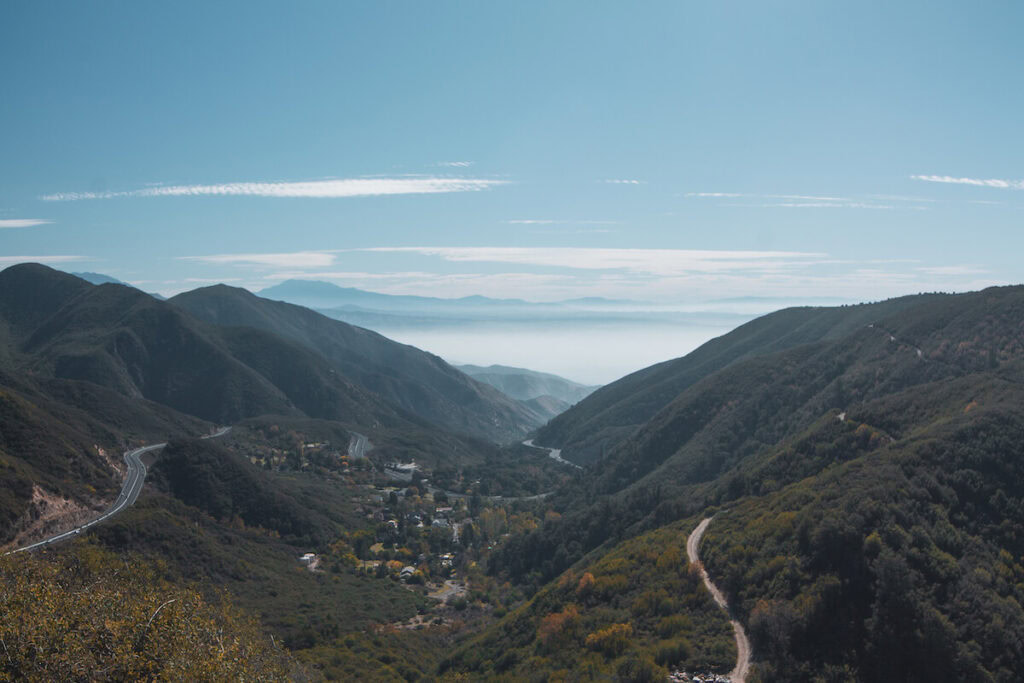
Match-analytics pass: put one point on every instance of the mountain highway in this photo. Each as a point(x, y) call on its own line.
point(357, 446)
point(134, 478)
point(553, 453)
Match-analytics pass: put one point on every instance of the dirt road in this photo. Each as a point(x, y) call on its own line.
point(739, 673)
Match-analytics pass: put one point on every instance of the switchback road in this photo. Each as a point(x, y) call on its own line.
point(135, 477)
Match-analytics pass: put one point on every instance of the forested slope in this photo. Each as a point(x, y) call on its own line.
point(868, 487)
point(414, 380)
point(609, 416)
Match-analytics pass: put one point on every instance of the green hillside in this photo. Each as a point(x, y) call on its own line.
point(413, 380)
point(607, 417)
point(869, 489)
point(627, 616)
point(59, 441)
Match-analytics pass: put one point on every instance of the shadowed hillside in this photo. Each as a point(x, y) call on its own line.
point(418, 382)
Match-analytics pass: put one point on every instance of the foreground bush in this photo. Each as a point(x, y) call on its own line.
point(87, 614)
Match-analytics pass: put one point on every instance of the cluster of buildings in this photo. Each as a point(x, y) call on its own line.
point(683, 677)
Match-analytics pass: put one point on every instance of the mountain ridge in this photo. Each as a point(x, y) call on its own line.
point(610, 414)
point(321, 294)
point(419, 382)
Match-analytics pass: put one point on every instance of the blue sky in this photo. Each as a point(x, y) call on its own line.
point(663, 151)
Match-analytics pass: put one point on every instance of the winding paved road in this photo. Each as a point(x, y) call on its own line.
point(134, 478)
point(554, 453)
point(738, 674)
point(358, 445)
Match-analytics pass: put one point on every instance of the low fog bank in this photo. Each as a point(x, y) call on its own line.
point(588, 353)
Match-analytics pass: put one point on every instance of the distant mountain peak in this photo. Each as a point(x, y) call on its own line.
point(100, 279)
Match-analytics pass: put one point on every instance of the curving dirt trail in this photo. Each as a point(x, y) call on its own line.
point(739, 673)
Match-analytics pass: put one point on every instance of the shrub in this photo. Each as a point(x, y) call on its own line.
point(611, 641)
point(70, 618)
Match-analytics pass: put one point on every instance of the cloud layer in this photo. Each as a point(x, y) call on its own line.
point(295, 259)
point(979, 182)
point(22, 222)
point(344, 187)
point(556, 221)
point(663, 262)
point(794, 201)
point(672, 277)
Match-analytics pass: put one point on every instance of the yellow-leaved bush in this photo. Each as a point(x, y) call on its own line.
point(88, 614)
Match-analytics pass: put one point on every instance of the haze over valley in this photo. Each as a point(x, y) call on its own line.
point(591, 340)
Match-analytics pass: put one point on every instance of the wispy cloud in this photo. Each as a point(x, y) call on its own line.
point(979, 182)
point(624, 181)
point(903, 198)
point(670, 276)
point(577, 231)
point(553, 221)
point(12, 260)
point(456, 164)
point(830, 205)
point(23, 222)
point(210, 280)
point(952, 270)
point(806, 197)
point(337, 188)
point(794, 201)
point(344, 275)
point(674, 277)
point(660, 262)
point(295, 259)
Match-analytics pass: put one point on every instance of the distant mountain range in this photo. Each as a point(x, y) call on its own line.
point(546, 394)
point(523, 384)
point(348, 302)
point(325, 295)
point(101, 279)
